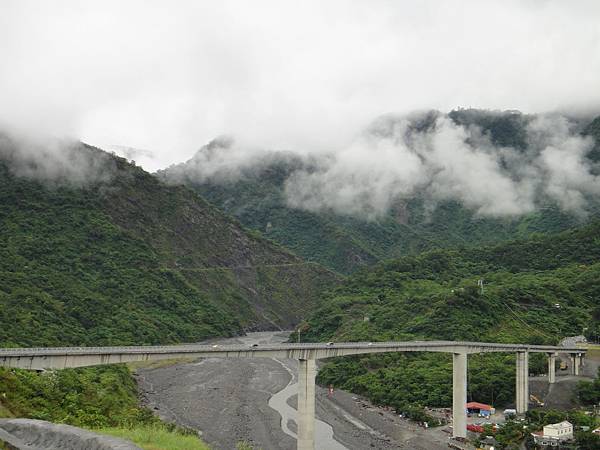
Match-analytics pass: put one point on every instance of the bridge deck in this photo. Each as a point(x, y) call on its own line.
point(61, 357)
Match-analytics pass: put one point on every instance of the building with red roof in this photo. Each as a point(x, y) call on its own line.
point(480, 409)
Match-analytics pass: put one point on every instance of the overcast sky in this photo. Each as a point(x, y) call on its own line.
point(168, 76)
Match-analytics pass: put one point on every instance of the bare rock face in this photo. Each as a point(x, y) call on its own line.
point(29, 434)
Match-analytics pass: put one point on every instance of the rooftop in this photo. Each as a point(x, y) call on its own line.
point(476, 405)
point(560, 426)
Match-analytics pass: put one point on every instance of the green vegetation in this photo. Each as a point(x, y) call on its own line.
point(505, 128)
point(584, 440)
point(535, 291)
point(70, 276)
point(345, 244)
point(537, 418)
point(511, 434)
point(103, 396)
point(589, 391)
point(103, 399)
point(418, 414)
point(587, 441)
point(135, 262)
point(157, 437)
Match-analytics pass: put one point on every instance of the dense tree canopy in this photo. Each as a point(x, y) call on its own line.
point(534, 291)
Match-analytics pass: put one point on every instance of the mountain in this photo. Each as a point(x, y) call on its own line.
point(256, 198)
point(537, 290)
point(96, 251)
point(255, 193)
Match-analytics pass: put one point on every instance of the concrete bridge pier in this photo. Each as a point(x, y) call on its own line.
point(459, 395)
point(522, 401)
point(306, 404)
point(576, 361)
point(552, 367)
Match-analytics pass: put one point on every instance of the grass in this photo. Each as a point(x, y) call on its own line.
point(5, 412)
point(156, 437)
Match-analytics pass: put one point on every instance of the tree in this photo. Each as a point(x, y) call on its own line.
point(587, 441)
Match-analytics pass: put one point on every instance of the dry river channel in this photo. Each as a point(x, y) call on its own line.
point(254, 400)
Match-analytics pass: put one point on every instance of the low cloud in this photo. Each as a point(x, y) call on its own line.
point(447, 161)
point(563, 170)
point(426, 155)
point(225, 160)
point(168, 76)
point(55, 161)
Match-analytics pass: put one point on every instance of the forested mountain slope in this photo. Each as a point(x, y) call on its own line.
point(255, 193)
point(534, 291)
point(95, 251)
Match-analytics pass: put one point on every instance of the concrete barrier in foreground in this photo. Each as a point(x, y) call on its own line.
point(29, 434)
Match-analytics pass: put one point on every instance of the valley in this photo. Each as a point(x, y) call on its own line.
point(278, 225)
point(133, 258)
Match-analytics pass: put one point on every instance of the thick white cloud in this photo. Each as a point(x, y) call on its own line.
point(564, 173)
point(425, 155)
point(439, 164)
point(169, 76)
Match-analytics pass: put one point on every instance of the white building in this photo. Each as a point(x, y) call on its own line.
point(554, 433)
point(562, 430)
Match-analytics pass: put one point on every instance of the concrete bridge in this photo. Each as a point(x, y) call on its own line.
point(306, 354)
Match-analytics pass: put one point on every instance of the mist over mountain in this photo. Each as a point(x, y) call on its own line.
point(440, 157)
point(54, 161)
point(408, 183)
point(283, 75)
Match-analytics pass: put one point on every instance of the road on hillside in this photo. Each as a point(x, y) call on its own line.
point(254, 400)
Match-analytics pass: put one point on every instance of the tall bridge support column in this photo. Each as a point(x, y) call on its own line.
point(522, 401)
point(306, 404)
point(552, 368)
point(576, 363)
point(459, 395)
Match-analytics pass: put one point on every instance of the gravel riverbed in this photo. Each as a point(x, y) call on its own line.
point(227, 401)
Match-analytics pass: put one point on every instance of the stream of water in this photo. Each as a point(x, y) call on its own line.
point(324, 439)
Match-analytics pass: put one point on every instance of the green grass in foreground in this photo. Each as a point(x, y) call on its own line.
point(156, 437)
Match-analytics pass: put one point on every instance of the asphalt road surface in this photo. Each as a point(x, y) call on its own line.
point(253, 400)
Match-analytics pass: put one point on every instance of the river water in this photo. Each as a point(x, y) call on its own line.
point(324, 437)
